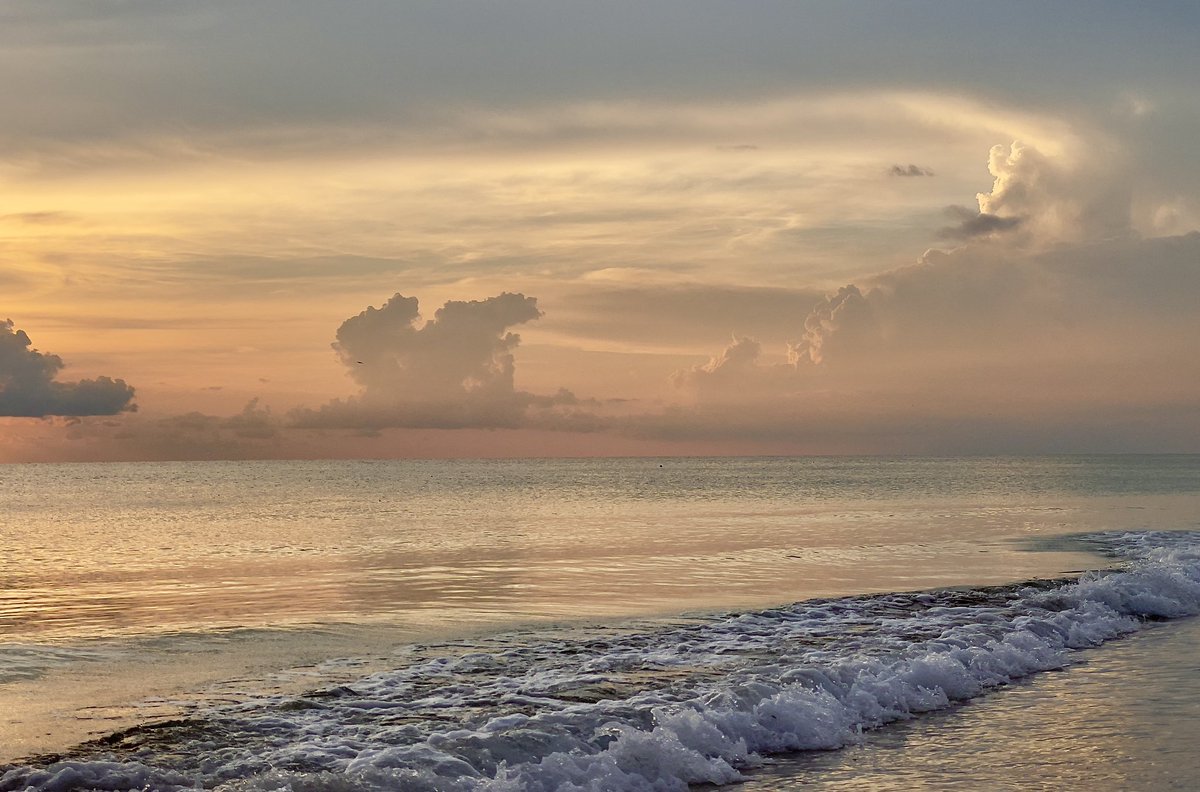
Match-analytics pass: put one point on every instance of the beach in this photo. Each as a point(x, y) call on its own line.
point(551, 396)
point(606, 623)
point(1118, 718)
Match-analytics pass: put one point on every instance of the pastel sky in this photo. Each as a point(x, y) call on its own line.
point(480, 228)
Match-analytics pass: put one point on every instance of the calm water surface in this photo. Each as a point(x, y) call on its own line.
point(101, 550)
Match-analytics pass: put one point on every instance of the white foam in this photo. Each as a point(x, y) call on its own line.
point(655, 709)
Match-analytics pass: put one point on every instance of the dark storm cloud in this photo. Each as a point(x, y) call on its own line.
point(28, 387)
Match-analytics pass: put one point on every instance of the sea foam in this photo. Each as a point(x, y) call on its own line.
point(652, 708)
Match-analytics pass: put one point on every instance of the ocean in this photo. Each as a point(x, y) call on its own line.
point(620, 624)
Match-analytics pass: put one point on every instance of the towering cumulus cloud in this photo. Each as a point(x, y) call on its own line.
point(1053, 324)
point(455, 370)
point(28, 387)
point(1038, 200)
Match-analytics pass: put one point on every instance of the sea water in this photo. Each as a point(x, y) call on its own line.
point(1119, 718)
point(560, 624)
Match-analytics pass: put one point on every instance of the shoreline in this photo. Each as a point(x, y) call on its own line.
point(173, 699)
point(1032, 728)
point(929, 621)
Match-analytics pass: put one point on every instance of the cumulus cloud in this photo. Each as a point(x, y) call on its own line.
point(254, 422)
point(464, 350)
point(199, 434)
point(731, 366)
point(1052, 326)
point(29, 388)
point(910, 170)
point(994, 304)
point(979, 348)
point(455, 370)
point(972, 224)
point(1037, 200)
point(734, 377)
point(843, 321)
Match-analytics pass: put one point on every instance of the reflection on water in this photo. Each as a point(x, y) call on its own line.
point(1123, 720)
point(102, 550)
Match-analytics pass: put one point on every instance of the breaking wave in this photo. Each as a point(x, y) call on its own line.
point(649, 708)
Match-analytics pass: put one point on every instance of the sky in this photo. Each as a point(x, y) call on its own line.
point(300, 229)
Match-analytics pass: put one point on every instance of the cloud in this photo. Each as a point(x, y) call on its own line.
point(28, 387)
point(1052, 327)
point(843, 321)
point(731, 365)
point(40, 218)
point(909, 170)
point(255, 432)
point(983, 348)
point(679, 315)
point(972, 225)
point(1074, 304)
point(1037, 330)
point(455, 370)
point(1050, 200)
point(464, 350)
point(254, 422)
point(89, 72)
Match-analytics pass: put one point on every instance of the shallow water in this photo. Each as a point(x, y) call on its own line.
point(647, 705)
point(1123, 717)
point(142, 593)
